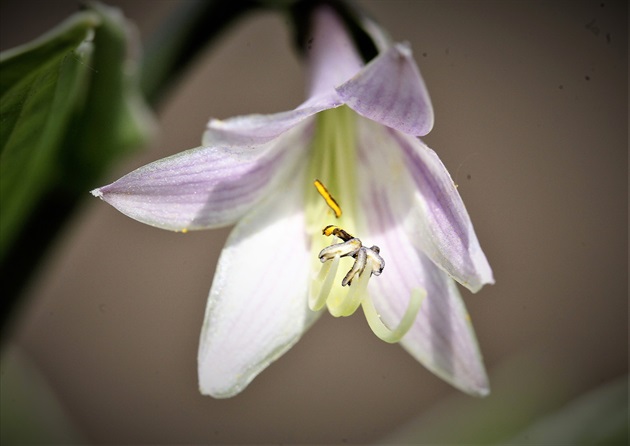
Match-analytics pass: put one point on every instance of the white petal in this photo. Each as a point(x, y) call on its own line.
point(442, 337)
point(391, 91)
point(208, 186)
point(254, 130)
point(422, 194)
point(258, 303)
point(332, 57)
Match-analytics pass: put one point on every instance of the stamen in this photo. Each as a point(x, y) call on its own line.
point(348, 248)
point(355, 295)
point(337, 231)
point(358, 267)
point(375, 260)
point(381, 330)
point(319, 294)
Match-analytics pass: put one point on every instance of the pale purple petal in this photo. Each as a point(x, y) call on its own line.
point(257, 307)
point(442, 337)
point(331, 60)
point(208, 186)
point(423, 196)
point(391, 91)
point(254, 130)
point(331, 55)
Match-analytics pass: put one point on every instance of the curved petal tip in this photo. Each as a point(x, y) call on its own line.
point(391, 91)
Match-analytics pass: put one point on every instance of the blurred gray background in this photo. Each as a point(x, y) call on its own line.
point(531, 120)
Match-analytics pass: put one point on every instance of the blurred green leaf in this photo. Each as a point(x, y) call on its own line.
point(40, 85)
point(18, 62)
point(599, 417)
point(534, 401)
point(113, 118)
point(70, 106)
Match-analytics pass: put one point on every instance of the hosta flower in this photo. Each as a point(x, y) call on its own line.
point(402, 237)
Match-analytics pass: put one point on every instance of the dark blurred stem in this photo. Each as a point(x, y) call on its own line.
point(188, 30)
point(25, 256)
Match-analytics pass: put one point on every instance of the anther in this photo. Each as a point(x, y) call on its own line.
point(337, 232)
point(375, 260)
point(347, 248)
point(358, 267)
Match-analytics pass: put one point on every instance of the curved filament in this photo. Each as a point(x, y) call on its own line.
point(381, 330)
point(356, 293)
point(321, 286)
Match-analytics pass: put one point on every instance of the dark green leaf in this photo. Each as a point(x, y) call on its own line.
point(40, 84)
point(113, 119)
point(70, 107)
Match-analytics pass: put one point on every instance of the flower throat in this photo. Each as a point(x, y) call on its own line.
point(333, 159)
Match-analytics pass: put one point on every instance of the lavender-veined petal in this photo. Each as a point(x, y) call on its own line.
point(442, 337)
point(208, 186)
point(332, 58)
point(254, 130)
point(390, 90)
point(439, 222)
point(258, 304)
point(421, 194)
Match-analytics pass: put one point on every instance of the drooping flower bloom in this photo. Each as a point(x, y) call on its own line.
point(402, 237)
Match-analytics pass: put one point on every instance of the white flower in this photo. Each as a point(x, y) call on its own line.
point(357, 133)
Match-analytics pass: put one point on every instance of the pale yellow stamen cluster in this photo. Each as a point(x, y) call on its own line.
point(352, 247)
point(367, 262)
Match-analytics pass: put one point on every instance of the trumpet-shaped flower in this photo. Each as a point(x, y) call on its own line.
point(397, 238)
